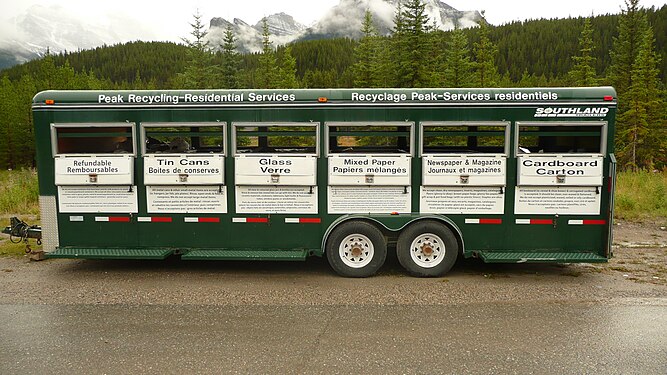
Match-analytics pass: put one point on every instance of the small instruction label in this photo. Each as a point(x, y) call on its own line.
point(461, 200)
point(186, 199)
point(97, 199)
point(369, 199)
point(566, 200)
point(276, 199)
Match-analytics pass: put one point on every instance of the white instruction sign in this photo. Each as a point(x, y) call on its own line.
point(464, 170)
point(369, 170)
point(102, 170)
point(184, 170)
point(560, 170)
point(97, 199)
point(276, 200)
point(186, 199)
point(369, 199)
point(561, 200)
point(275, 170)
point(461, 200)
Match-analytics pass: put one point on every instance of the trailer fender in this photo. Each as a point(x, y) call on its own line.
point(382, 224)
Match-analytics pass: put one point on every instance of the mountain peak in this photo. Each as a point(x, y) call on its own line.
point(343, 20)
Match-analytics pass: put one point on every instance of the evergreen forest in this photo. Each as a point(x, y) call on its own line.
point(627, 51)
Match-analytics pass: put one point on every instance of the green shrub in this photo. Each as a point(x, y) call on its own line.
point(641, 195)
point(19, 193)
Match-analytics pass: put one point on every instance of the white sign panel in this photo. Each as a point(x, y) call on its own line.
point(276, 170)
point(561, 200)
point(555, 170)
point(276, 199)
point(184, 170)
point(83, 170)
point(369, 199)
point(369, 170)
point(97, 199)
point(186, 199)
point(463, 170)
point(461, 200)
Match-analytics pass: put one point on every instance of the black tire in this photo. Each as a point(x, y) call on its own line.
point(356, 249)
point(427, 249)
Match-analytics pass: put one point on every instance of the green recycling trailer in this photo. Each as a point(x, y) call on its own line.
point(505, 175)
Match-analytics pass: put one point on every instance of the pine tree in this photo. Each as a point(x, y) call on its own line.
point(457, 68)
point(287, 78)
point(583, 72)
point(631, 26)
point(643, 137)
point(641, 112)
point(413, 45)
point(486, 72)
point(6, 140)
point(198, 71)
point(231, 61)
point(267, 71)
point(366, 67)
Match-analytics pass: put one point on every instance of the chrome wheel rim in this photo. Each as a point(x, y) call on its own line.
point(427, 250)
point(356, 250)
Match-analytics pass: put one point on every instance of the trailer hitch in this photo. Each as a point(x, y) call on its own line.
point(19, 231)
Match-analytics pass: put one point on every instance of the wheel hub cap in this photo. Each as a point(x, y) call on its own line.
point(427, 249)
point(356, 250)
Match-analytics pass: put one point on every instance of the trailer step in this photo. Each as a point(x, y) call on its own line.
point(250, 254)
point(109, 253)
point(532, 257)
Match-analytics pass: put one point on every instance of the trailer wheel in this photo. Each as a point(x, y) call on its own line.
point(356, 249)
point(427, 249)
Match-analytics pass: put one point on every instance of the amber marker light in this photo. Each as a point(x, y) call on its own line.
point(50, 101)
point(322, 99)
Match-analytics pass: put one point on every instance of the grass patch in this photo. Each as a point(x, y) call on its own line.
point(641, 196)
point(19, 194)
point(8, 248)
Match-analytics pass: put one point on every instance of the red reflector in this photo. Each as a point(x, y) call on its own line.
point(608, 98)
point(161, 219)
point(209, 220)
point(595, 222)
point(490, 221)
point(119, 219)
point(541, 221)
point(257, 220)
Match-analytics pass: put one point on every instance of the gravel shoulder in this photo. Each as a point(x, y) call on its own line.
point(637, 274)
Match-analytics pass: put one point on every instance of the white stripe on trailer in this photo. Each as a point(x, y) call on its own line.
point(76, 218)
point(292, 220)
point(472, 221)
point(101, 218)
point(191, 219)
point(239, 219)
point(143, 219)
point(522, 221)
point(575, 222)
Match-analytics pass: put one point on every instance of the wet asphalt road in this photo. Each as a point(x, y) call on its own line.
point(69, 317)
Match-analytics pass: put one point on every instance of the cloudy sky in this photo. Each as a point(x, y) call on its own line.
point(167, 20)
